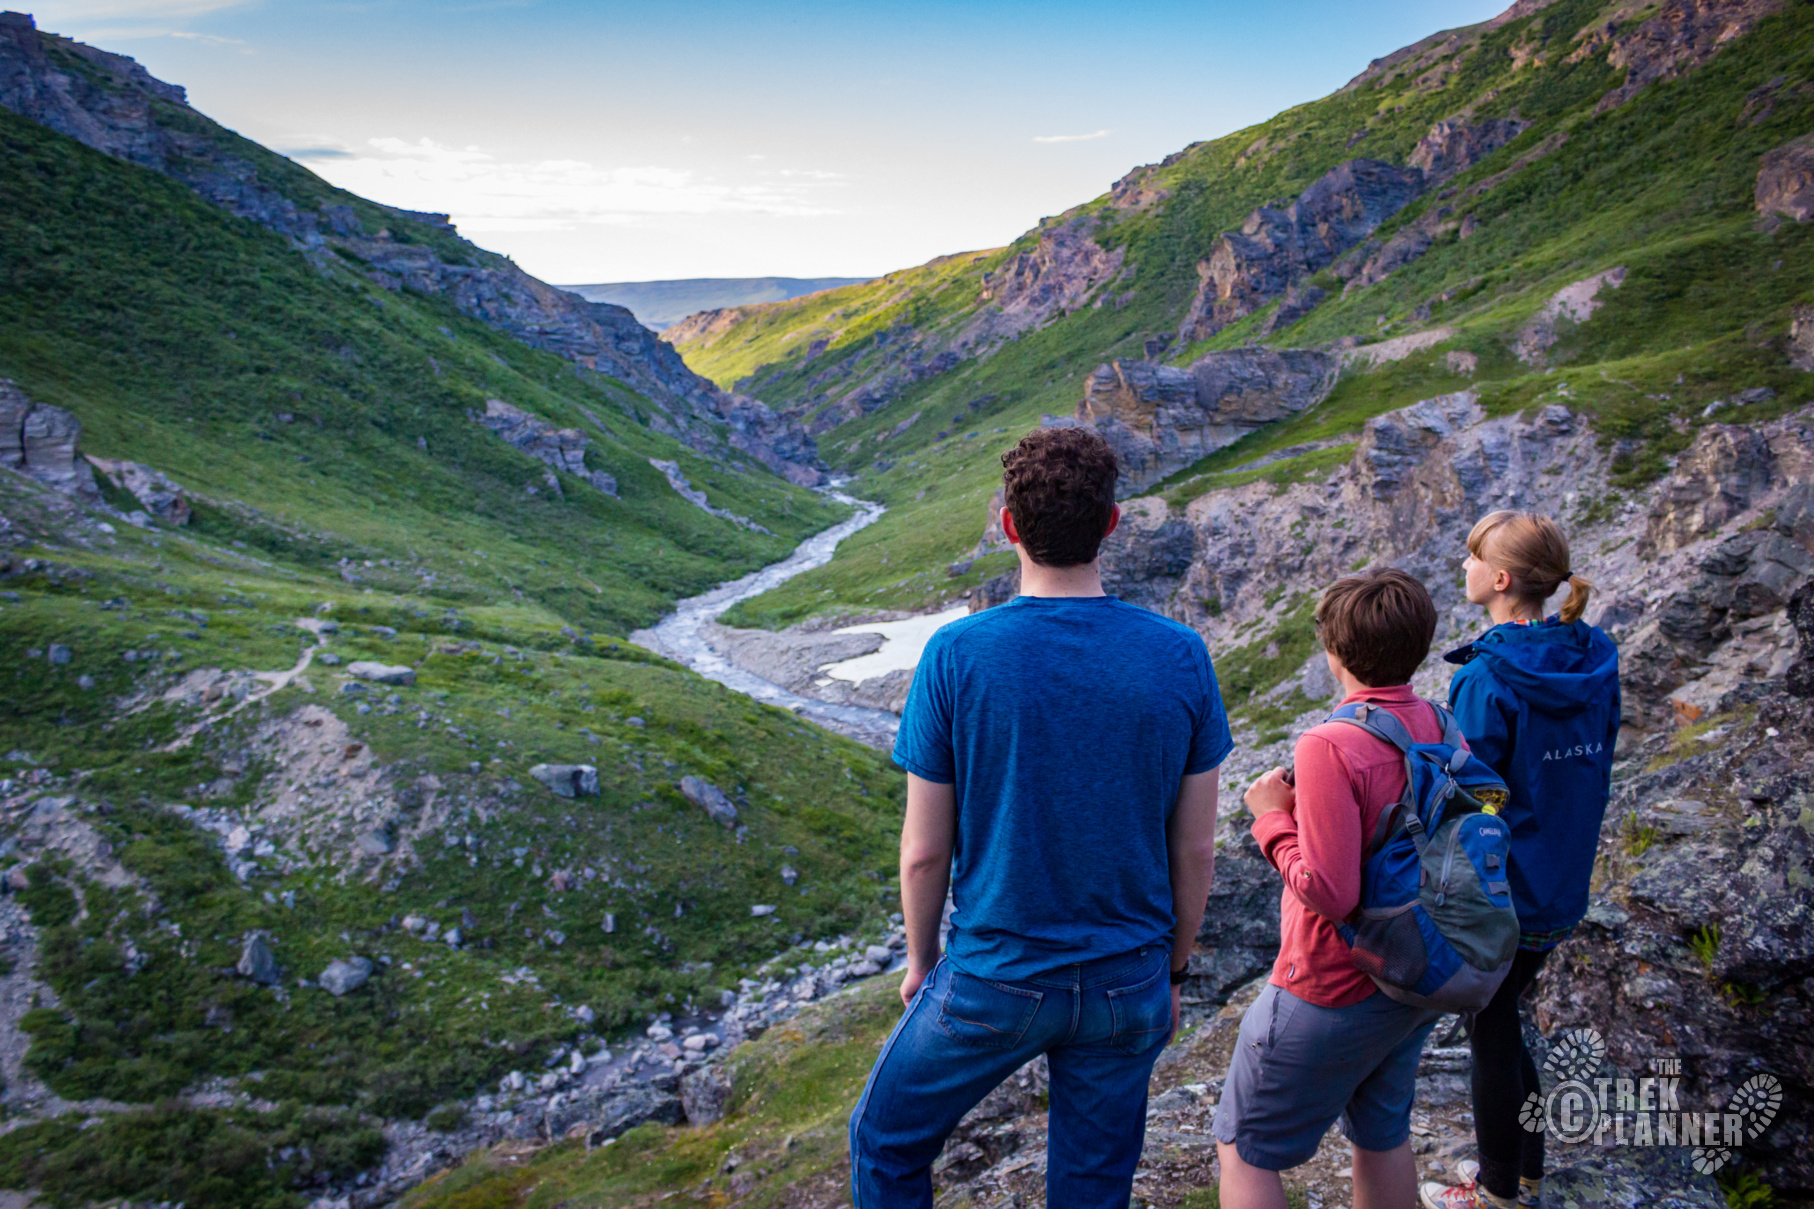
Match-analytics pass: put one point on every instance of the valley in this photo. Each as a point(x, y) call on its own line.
point(445, 752)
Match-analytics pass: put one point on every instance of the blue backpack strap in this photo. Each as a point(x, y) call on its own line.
point(1451, 730)
point(1383, 725)
point(1379, 722)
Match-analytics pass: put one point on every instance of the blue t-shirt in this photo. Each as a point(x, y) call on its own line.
point(1066, 724)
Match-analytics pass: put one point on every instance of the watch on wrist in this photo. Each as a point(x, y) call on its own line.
point(1178, 976)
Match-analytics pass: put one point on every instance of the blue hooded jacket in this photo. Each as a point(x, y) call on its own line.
point(1540, 704)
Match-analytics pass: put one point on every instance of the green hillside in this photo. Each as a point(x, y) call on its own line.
point(322, 429)
point(318, 416)
point(1661, 185)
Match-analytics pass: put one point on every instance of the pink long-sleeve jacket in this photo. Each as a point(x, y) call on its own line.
point(1345, 779)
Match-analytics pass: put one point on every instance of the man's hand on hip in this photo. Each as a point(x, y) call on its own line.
point(910, 985)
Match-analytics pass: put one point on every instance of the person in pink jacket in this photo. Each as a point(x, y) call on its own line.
point(1322, 1042)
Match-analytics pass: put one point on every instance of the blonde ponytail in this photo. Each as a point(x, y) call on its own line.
point(1531, 549)
point(1578, 591)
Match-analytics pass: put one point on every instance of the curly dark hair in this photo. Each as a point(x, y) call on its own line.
point(1059, 485)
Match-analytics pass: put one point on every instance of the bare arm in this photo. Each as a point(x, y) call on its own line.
point(927, 838)
point(1190, 841)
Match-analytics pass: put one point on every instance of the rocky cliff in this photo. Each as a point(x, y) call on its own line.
point(1161, 419)
point(112, 104)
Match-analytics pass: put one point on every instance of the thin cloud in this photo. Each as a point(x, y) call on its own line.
point(485, 193)
point(1070, 138)
point(88, 10)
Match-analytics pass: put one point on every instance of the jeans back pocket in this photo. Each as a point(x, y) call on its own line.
point(985, 1014)
point(1142, 1012)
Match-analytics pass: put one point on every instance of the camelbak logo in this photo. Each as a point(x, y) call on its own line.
point(1580, 749)
point(1491, 831)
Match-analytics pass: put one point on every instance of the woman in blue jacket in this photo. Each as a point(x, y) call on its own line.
point(1538, 699)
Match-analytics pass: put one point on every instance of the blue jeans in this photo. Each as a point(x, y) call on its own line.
point(1101, 1026)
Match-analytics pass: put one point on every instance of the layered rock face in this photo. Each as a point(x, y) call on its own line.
point(39, 440)
point(1065, 266)
point(1160, 419)
point(1680, 36)
point(1278, 245)
point(112, 104)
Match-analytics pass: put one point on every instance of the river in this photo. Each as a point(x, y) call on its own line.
point(678, 634)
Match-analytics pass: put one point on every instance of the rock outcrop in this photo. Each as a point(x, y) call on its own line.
point(1680, 36)
point(1785, 180)
point(562, 448)
point(1280, 244)
point(39, 440)
point(1801, 339)
point(1058, 275)
point(159, 496)
point(692, 495)
point(1160, 418)
point(1454, 145)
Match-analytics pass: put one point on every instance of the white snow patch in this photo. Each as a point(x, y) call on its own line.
point(902, 644)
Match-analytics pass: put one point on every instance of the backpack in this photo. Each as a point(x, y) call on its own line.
point(1435, 926)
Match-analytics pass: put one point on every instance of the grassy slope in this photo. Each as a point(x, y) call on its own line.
point(1662, 185)
point(180, 337)
point(519, 693)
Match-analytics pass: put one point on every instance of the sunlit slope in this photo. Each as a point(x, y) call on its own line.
point(1661, 184)
point(319, 417)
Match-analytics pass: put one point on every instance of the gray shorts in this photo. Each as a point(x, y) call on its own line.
point(1298, 1067)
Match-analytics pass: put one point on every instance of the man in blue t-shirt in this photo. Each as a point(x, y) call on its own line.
point(1061, 755)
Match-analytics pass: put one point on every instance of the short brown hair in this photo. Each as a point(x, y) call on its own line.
point(1059, 485)
point(1379, 624)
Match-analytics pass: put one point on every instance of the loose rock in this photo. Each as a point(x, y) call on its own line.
point(710, 798)
point(568, 780)
point(257, 962)
point(382, 673)
point(343, 975)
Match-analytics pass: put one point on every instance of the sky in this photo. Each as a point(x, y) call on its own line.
point(597, 141)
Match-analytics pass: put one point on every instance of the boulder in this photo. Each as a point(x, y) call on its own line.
point(374, 843)
point(1801, 616)
point(345, 974)
point(709, 798)
point(607, 1114)
point(382, 673)
point(39, 441)
point(256, 960)
point(704, 1094)
point(1785, 180)
point(154, 490)
point(568, 780)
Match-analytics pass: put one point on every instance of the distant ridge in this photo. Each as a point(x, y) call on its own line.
point(661, 303)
